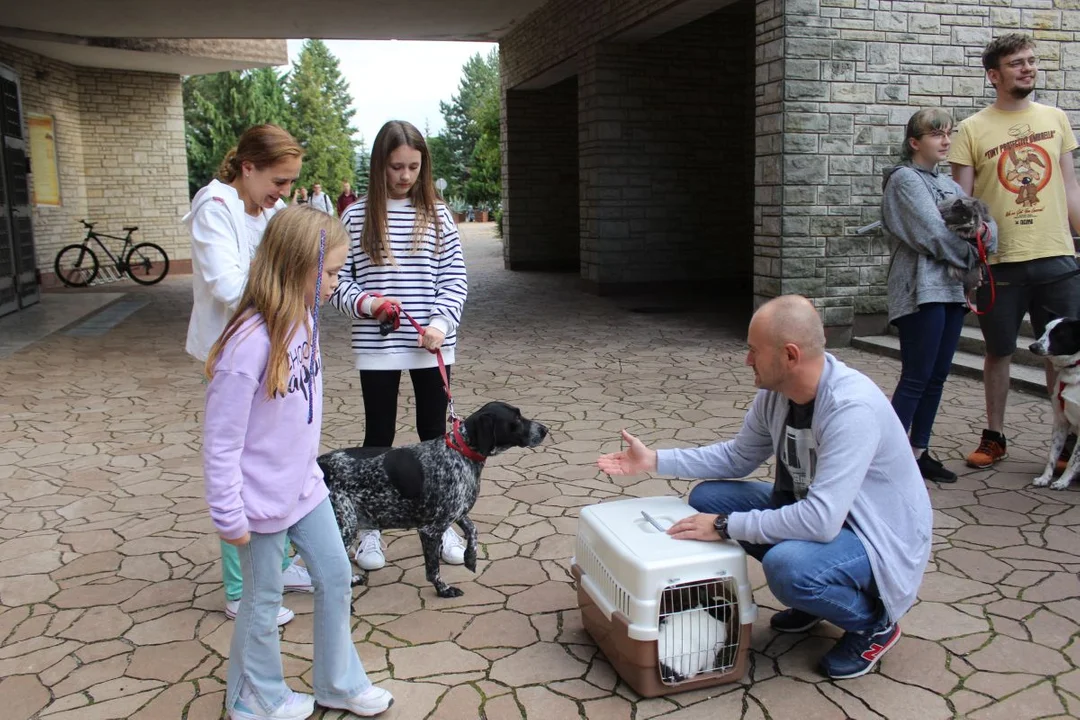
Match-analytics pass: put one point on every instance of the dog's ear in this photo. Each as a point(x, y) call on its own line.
point(480, 427)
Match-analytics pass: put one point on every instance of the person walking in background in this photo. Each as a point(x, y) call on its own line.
point(405, 254)
point(226, 223)
point(320, 200)
point(926, 302)
point(346, 198)
point(300, 196)
point(264, 407)
point(1016, 156)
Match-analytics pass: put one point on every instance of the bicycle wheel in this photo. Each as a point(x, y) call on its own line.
point(147, 263)
point(76, 266)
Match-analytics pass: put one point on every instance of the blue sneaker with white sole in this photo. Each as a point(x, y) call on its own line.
point(856, 653)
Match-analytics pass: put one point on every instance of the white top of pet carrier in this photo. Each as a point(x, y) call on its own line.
point(627, 562)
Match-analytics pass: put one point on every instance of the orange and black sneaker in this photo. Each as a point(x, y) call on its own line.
point(991, 449)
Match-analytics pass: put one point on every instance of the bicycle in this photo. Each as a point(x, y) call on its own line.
point(77, 265)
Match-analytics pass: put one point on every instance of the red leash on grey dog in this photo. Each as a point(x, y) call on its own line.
point(980, 247)
point(454, 439)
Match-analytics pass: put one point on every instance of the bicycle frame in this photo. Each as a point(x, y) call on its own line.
point(96, 237)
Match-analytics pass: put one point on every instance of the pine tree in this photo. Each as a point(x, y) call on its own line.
point(362, 164)
point(479, 84)
point(321, 110)
point(218, 108)
point(442, 164)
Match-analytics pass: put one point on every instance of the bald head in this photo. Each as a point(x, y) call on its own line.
point(792, 319)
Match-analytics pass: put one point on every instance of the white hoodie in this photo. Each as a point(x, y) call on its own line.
point(221, 253)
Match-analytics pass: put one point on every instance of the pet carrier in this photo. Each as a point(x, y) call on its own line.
point(670, 615)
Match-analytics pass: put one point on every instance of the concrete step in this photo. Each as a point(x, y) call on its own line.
point(1024, 378)
point(972, 320)
point(971, 341)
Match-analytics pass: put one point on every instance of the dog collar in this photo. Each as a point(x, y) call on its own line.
point(456, 441)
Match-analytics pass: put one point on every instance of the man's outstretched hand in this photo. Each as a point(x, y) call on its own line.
point(634, 460)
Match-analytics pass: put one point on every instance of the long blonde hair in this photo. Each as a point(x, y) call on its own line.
point(375, 240)
point(287, 259)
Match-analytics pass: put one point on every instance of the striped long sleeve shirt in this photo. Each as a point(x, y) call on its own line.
point(431, 286)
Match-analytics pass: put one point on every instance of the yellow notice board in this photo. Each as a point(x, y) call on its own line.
point(43, 160)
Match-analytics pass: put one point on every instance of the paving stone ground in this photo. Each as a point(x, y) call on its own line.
point(110, 592)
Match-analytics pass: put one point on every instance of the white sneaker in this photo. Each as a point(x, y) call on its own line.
point(284, 614)
point(297, 579)
point(369, 554)
point(297, 706)
point(453, 547)
point(369, 703)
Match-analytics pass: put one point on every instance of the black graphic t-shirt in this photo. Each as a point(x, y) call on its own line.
point(796, 456)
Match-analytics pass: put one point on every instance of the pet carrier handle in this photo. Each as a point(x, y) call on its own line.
point(652, 521)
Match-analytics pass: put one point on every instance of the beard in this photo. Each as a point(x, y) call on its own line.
point(1019, 93)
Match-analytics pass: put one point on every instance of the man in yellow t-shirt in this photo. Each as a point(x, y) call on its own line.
point(1016, 156)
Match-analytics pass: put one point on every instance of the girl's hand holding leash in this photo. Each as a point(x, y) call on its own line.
point(432, 338)
point(381, 305)
point(242, 540)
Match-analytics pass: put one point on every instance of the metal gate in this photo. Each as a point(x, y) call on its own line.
point(18, 263)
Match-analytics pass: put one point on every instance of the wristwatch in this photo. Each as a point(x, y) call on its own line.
point(721, 527)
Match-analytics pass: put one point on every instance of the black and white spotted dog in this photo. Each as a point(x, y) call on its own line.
point(428, 486)
point(1060, 343)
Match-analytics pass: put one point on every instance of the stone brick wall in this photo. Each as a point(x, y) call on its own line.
point(541, 176)
point(121, 154)
point(666, 158)
point(664, 155)
point(834, 83)
point(49, 87)
point(135, 160)
point(853, 73)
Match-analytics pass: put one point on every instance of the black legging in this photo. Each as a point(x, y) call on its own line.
point(380, 388)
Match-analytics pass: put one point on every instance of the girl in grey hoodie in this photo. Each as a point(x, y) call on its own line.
point(926, 303)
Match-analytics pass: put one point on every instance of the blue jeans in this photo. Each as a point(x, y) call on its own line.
point(255, 654)
point(928, 341)
point(830, 580)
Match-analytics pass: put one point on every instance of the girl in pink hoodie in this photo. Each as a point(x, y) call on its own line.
point(263, 420)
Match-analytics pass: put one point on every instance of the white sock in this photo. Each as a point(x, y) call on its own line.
point(918, 452)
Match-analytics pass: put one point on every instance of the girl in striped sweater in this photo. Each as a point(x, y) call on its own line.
point(405, 252)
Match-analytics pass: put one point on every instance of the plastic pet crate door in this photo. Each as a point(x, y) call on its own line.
point(18, 262)
point(698, 629)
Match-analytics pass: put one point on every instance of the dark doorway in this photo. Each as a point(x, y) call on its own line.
point(18, 265)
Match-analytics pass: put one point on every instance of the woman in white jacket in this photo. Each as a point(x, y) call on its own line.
point(226, 222)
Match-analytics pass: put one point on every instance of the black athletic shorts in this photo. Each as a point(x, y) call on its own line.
point(1045, 288)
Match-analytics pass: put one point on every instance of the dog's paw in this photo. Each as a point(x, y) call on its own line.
point(358, 579)
point(450, 592)
point(1059, 484)
point(1042, 481)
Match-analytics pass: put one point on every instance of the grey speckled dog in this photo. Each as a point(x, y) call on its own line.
point(965, 216)
point(427, 486)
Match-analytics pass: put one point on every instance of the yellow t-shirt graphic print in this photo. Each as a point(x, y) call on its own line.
point(1016, 156)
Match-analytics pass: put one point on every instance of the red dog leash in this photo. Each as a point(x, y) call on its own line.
point(980, 246)
point(454, 438)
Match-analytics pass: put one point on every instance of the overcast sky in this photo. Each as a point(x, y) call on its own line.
point(398, 80)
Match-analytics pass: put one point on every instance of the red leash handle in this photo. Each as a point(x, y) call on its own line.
point(980, 246)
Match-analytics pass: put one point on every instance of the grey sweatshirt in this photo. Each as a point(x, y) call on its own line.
point(924, 246)
point(865, 476)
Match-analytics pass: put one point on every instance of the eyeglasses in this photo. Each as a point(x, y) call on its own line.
point(1022, 62)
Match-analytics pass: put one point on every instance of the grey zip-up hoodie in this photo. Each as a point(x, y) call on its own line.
point(924, 247)
point(865, 476)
